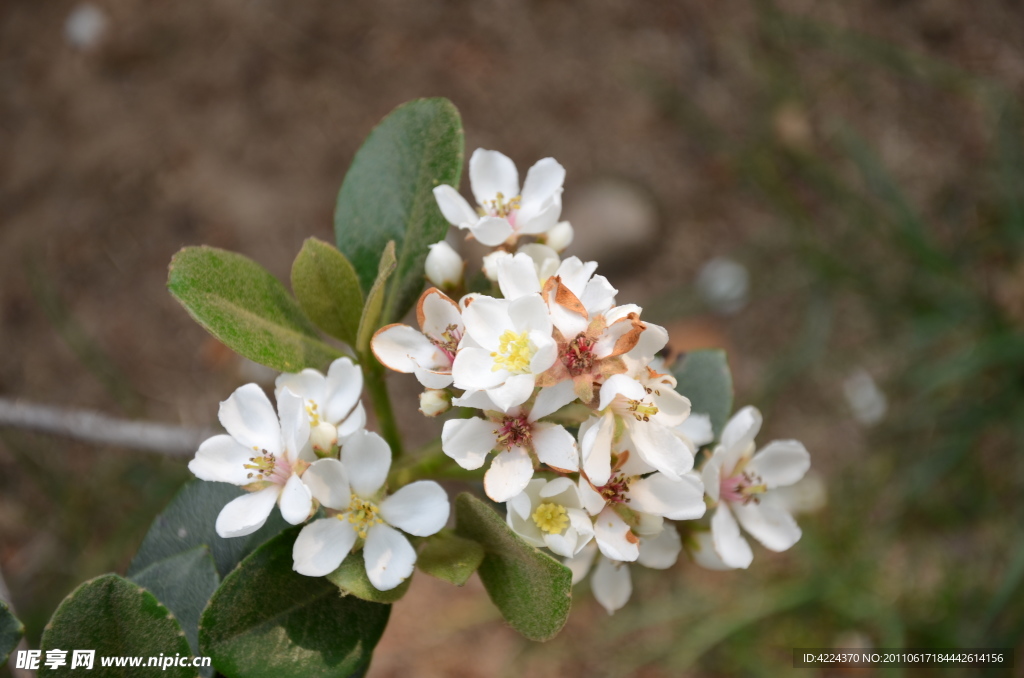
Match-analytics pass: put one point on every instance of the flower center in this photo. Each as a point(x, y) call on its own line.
point(448, 342)
point(641, 410)
point(579, 355)
point(614, 492)
point(362, 514)
point(552, 518)
point(267, 467)
point(742, 488)
point(514, 432)
point(499, 207)
point(312, 409)
point(514, 353)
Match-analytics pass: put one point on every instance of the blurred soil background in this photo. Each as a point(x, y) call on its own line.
point(861, 162)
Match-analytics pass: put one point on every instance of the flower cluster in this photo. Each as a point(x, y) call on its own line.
point(547, 338)
point(315, 453)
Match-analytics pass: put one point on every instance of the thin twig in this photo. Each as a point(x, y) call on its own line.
point(5, 596)
point(99, 428)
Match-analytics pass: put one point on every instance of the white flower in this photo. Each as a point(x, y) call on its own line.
point(428, 354)
point(551, 514)
point(354, 489)
point(261, 453)
point(444, 266)
point(332, 403)
point(504, 213)
point(741, 483)
point(516, 433)
point(512, 344)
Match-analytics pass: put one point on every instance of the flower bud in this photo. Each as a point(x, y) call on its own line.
point(435, 401)
point(560, 236)
point(324, 439)
point(444, 266)
point(490, 264)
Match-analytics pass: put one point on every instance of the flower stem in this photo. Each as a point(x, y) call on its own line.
point(373, 377)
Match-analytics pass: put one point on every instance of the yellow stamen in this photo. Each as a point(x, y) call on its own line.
point(499, 207)
point(314, 415)
point(362, 514)
point(263, 466)
point(642, 411)
point(551, 518)
point(514, 353)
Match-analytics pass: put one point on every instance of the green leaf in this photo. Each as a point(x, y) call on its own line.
point(370, 322)
point(387, 195)
point(248, 309)
point(327, 288)
point(266, 620)
point(704, 377)
point(11, 632)
point(183, 583)
point(351, 578)
point(189, 521)
point(532, 590)
point(116, 618)
point(449, 557)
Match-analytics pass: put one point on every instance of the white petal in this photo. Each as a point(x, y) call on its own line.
point(697, 429)
point(552, 399)
point(611, 584)
point(584, 526)
point(389, 557)
point(620, 384)
point(662, 551)
point(543, 180)
point(420, 508)
point(702, 550)
point(592, 500)
point(454, 207)
point(596, 449)
point(769, 523)
point(309, 384)
point(561, 491)
point(367, 459)
point(545, 351)
point(327, 481)
point(432, 378)
point(580, 564)
point(652, 339)
point(355, 421)
point(322, 546)
point(681, 499)
point(436, 313)
point(344, 386)
point(598, 296)
point(738, 434)
point(473, 370)
point(516, 390)
point(491, 231)
point(486, 320)
point(555, 446)
point(249, 418)
point(508, 475)
point(517, 276)
point(782, 462)
point(529, 313)
point(468, 441)
point(661, 448)
point(613, 536)
point(294, 423)
point(711, 475)
point(222, 459)
point(729, 544)
point(533, 220)
point(403, 349)
point(247, 513)
point(491, 173)
point(475, 399)
point(673, 408)
point(561, 544)
point(296, 501)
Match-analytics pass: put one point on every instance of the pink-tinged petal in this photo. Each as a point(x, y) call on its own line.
point(596, 449)
point(510, 472)
point(529, 314)
point(344, 387)
point(249, 418)
point(620, 385)
point(711, 475)
point(534, 219)
point(247, 513)
point(673, 408)
point(769, 523)
point(543, 181)
point(473, 370)
point(491, 231)
point(701, 548)
point(546, 352)
point(433, 379)
point(420, 508)
point(296, 501)
point(437, 314)
point(389, 557)
point(491, 173)
point(403, 349)
point(581, 563)
point(681, 499)
point(660, 552)
point(738, 435)
point(294, 423)
point(515, 391)
point(222, 459)
point(729, 544)
point(486, 320)
point(308, 384)
point(555, 446)
point(468, 441)
point(552, 399)
point(697, 429)
point(354, 422)
point(661, 448)
point(367, 459)
point(782, 462)
point(322, 546)
point(327, 481)
point(454, 207)
point(614, 537)
point(611, 584)
point(517, 276)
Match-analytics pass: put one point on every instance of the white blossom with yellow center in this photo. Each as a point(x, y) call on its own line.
point(332, 404)
point(551, 514)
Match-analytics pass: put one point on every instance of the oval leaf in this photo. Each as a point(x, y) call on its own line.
point(388, 195)
point(351, 578)
point(268, 620)
point(704, 377)
point(327, 287)
point(370, 320)
point(116, 618)
point(246, 308)
point(449, 557)
point(11, 632)
point(189, 521)
point(532, 590)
